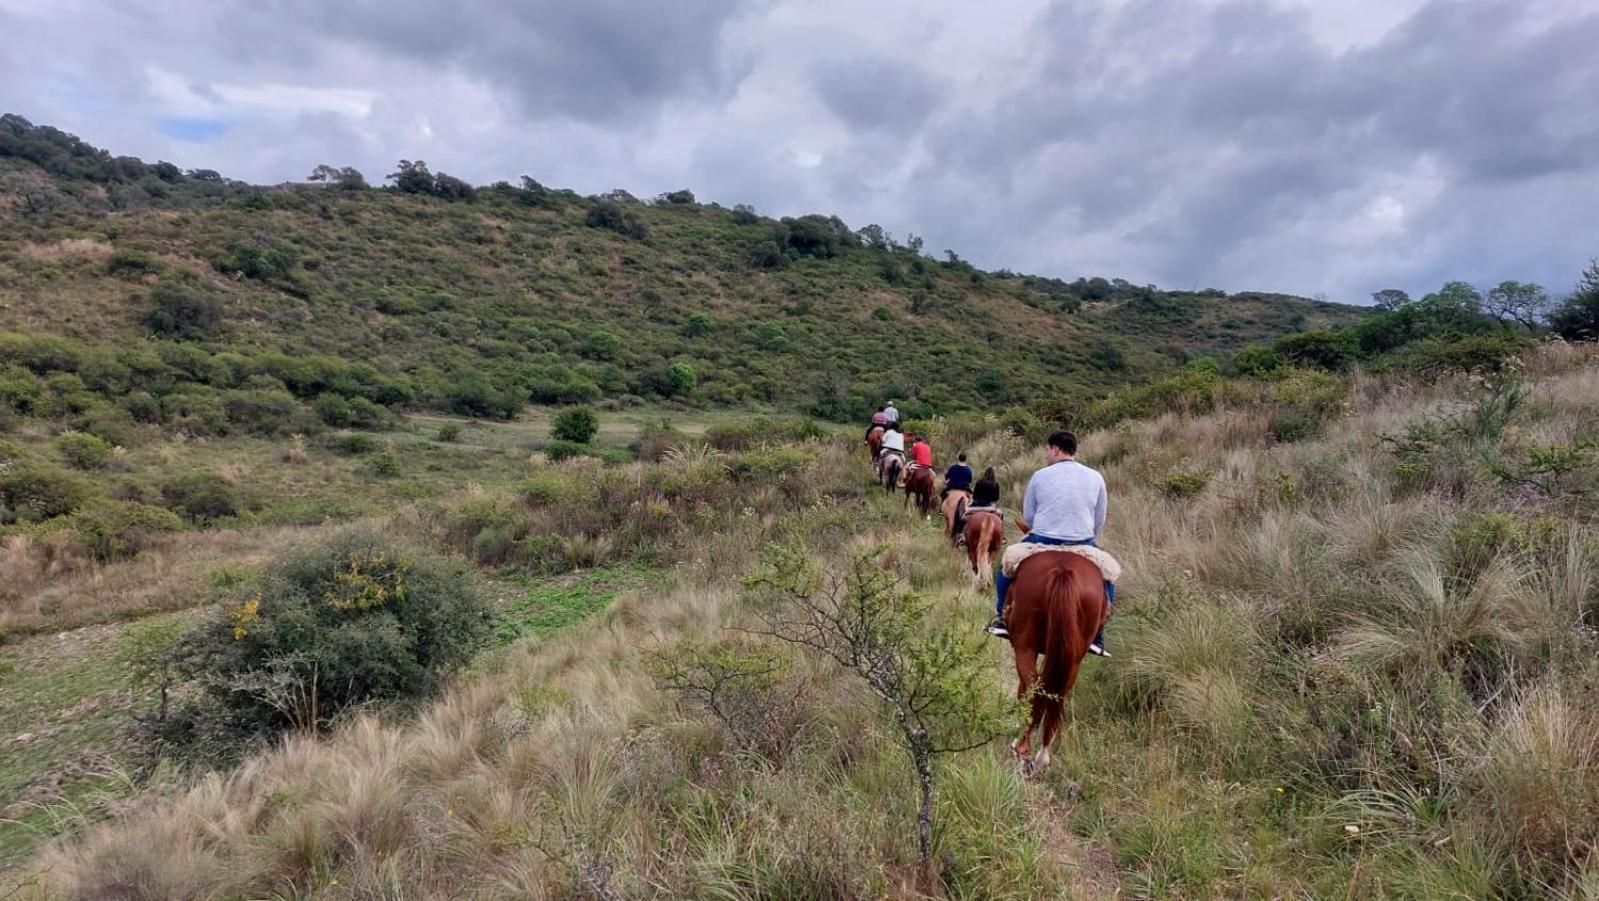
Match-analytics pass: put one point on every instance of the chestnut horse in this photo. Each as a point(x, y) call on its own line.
point(919, 484)
point(985, 535)
point(1055, 605)
point(955, 502)
point(874, 440)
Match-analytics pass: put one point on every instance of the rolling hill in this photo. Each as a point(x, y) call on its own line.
point(477, 300)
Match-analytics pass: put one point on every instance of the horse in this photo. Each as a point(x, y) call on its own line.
point(889, 469)
point(985, 535)
point(874, 440)
point(1055, 606)
point(919, 484)
point(954, 507)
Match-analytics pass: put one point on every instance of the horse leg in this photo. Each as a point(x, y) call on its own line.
point(1026, 681)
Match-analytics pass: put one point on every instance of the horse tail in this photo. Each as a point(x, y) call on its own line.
point(1064, 642)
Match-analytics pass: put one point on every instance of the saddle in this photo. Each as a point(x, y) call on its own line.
point(1109, 568)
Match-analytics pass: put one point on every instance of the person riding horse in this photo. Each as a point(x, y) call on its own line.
point(958, 477)
point(1065, 504)
point(892, 444)
point(891, 415)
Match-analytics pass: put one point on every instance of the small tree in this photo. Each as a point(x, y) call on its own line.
point(1577, 317)
point(347, 178)
point(576, 424)
point(412, 177)
point(1389, 299)
point(1523, 303)
point(933, 680)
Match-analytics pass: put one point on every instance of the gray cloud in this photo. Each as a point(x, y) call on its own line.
point(878, 94)
point(1233, 143)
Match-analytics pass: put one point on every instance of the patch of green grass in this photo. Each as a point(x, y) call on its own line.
point(69, 693)
point(551, 606)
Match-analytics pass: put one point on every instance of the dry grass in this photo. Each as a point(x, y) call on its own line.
point(1300, 653)
point(44, 586)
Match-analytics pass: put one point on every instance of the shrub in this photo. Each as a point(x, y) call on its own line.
point(83, 451)
point(1185, 483)
point(201, 497)
point(113, 530)
point(448, 433)
point(181, 311)
point(262, 412)
point(384, 464)
point(565, 450)
point(34, 492)
point(677, 380)
point(574, 424)
point(609, 214)
point(353, 619)
point(131, 262)
point(332, 409)
point(353, 444)
point(1256, 361)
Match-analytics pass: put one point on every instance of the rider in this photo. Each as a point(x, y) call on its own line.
point(986, 492)
point(921, 452)
point(879, 420)
point(893, 442)
point(891, 415)
point(958, 477)
point(1065, 504)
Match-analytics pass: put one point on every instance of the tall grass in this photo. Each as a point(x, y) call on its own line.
point(1331, 679)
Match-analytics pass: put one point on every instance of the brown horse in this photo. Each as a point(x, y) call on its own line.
point(985, 535)
point(1055, 605)
point(953, 508)
point(874, 440)
point(919, 484)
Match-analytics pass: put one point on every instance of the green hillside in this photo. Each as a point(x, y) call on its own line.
point(435, 294)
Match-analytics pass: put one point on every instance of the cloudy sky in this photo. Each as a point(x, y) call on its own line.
point(1314, 146)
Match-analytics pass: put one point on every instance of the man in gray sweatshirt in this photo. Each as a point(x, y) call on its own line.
point(1065, 504)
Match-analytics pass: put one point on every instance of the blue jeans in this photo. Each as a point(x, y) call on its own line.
point(1002, 581)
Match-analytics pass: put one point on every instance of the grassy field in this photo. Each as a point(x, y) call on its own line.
point(1353, 664)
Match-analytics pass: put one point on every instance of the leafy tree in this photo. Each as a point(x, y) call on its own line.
point(684, 197)
point(347, 178)
point(1523, 303)
point(412, 177)
point(1327, 350)
point(1389, 299)
point(451, 188)
point(744, 214)
point(180, 311)
point(576, 424)
point(1577, 317)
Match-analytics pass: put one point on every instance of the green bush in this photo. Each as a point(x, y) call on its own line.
point(83, 451)
point(181, 311)
point(578, 425)
point(677, 380)
point(333, 409)
point(559, 449)
point(353, 444)
point(1185, 483)
point(448, 433)
point(35, 492)
point(262, 412)
point(113, 530)
point(201, 497)
point(384, 464)
point(349, 620)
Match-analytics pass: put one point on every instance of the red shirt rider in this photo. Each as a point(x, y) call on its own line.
point(922, 453)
